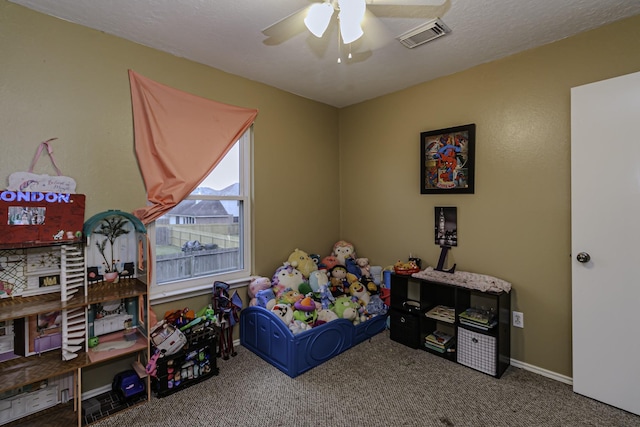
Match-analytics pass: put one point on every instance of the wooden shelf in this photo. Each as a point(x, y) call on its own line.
point(22, 371)
point(40, 244)
point(62, 414)
point(125, 288)
point(111, 343)
point(25, 370)
point(17, 307)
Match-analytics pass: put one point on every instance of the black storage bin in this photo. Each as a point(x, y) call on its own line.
point(405, 327)
point(196, 362)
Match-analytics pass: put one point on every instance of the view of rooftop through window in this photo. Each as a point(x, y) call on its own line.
point(201, 235)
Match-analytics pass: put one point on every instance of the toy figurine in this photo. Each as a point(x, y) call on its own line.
point(227, 311)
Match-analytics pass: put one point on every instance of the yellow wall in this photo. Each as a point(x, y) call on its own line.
point(60, 79)
point(517, 224)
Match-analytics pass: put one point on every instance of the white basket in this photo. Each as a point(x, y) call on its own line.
point(477, 351)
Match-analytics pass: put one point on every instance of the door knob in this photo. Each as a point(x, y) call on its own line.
point(583, 257)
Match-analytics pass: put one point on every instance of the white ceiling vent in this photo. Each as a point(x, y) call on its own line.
point(424, 33)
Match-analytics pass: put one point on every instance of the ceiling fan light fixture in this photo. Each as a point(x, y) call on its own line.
point(317, 20)
point(350, 17)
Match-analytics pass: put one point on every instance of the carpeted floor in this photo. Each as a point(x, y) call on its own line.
point(377, 383)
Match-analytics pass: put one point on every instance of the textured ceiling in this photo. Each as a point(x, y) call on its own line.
point(228, 35)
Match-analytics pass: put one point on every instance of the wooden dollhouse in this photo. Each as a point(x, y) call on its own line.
point(51, 302)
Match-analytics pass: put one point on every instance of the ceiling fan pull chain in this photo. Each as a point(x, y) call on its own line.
point(339, 50)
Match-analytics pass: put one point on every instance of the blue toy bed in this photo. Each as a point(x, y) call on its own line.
point(266, 335)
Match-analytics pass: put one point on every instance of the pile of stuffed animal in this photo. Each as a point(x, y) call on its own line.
point(308, 291)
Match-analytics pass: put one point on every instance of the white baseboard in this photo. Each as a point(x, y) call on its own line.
point(96, 391)
point(543, 372)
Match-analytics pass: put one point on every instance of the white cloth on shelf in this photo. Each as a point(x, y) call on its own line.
point(465, 279)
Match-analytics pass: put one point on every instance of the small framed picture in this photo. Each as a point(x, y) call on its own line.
point(446, 226)
point(49, 320)
point(52, 280)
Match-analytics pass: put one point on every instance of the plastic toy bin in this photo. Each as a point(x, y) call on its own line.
point(263, 333)
point(196, 362)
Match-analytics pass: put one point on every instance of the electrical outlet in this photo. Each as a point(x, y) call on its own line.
point(518, 319)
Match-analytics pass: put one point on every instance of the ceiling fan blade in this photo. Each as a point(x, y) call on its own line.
point(320, 46)
point(286, 28)
point(318, 18)
point(407, 2)
point(409, 8)
point(376, 34)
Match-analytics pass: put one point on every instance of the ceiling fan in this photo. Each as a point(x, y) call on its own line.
point(355, 18)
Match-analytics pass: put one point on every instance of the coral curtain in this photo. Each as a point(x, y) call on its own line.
point(179, 139)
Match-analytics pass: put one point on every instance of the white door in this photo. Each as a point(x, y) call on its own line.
point(605, 226)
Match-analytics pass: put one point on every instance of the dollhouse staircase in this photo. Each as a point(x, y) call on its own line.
point(73, 285)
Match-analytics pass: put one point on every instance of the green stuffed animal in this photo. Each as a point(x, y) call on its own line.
point(345, 308)
point(305, 311)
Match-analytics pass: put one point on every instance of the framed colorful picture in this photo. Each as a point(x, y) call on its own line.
point(447, 160)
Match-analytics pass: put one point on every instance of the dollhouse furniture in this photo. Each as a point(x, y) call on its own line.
point(93, 275)
point(262, 332)
point(127, 270)
point(48, 386)
point(47, 342)
point(6, 340)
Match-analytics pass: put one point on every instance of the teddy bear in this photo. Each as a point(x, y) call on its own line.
point(343, 250)
point(285, 278)
point(302, 262)
point(345, 308)
point(363, 265)
point(325, 315)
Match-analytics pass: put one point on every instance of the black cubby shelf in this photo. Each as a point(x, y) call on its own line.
point(486, 349)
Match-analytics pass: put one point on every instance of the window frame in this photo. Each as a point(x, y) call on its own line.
point(202, 285)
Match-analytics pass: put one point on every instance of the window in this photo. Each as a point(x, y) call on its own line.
point(206, 237)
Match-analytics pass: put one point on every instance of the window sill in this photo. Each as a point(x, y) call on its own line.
point(161, 297)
